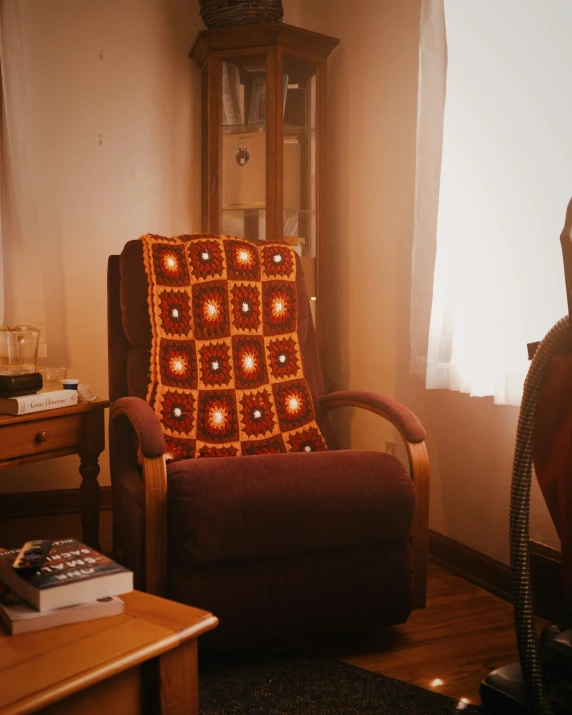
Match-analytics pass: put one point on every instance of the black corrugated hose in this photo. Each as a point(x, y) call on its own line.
point(555, 343)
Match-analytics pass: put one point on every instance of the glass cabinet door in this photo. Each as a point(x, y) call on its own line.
point(244, 167)
point(264, 98)
point(244, 138)
point(299, 161)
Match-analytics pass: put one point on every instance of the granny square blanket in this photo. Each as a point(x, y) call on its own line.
point(226, 370)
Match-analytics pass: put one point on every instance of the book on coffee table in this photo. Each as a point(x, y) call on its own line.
point(73, 573)
point(19, 617)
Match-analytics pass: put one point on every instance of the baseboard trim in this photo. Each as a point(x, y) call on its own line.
point(47, 503)
point(496, 577)
point(482, 570)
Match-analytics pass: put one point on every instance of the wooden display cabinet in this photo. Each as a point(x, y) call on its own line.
point(264, 134)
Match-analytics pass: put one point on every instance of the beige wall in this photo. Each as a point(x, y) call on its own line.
point(372, 136)
point(144, 97)
point(292, 11)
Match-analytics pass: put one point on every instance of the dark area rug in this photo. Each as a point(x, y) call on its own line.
point(311, 686)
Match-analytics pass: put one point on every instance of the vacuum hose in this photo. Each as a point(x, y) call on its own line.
point(555, 343)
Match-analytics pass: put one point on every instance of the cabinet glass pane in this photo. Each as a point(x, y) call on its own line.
point(244, 148)
point(300, 164)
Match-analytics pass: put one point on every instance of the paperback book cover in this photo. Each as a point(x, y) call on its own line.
point(19, 617)
point(73, 573)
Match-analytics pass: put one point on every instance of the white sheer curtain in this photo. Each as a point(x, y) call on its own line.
point(505, 182)
point(22, 289)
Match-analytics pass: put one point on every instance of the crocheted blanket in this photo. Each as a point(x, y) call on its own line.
point(226, 370)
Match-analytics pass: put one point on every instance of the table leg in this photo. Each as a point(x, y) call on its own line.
point(89, 500)
point(91, 446)
point(179, 680)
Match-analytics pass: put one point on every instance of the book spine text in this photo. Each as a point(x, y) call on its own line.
point(46, 401)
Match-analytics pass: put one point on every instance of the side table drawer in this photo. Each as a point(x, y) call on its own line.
point(27, 438)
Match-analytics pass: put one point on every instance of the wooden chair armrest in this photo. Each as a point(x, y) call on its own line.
point(413, 435)
point(400, 416)
point(152, 446)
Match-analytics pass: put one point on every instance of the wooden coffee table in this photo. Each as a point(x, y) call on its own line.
point(142, 661)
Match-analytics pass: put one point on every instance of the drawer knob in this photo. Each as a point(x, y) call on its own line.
point(41, 437)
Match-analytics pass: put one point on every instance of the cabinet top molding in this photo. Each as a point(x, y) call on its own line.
point(263, 35)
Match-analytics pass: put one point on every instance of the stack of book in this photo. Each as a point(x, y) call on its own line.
point(23, 404)
point(19, 395)
point(75, 584)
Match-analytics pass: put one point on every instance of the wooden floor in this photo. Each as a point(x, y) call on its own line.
point(463, 633)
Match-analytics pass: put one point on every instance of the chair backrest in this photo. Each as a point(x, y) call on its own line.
point(129, 329)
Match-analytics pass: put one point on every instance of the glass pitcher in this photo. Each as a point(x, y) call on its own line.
point(18, 349)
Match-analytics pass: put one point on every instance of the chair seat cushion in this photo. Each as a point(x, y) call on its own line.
point(236, 508)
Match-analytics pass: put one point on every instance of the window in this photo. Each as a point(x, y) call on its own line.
point(505, 182)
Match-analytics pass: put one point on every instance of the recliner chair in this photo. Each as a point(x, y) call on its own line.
point(283, 548)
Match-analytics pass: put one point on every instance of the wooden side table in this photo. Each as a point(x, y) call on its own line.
point(55, 433)
point(142, 661)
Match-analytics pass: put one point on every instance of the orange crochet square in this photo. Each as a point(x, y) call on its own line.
point(227, 376)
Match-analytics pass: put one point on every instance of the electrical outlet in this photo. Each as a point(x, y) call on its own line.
point(390, 447)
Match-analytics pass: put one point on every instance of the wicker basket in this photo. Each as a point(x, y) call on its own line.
point(224, 13)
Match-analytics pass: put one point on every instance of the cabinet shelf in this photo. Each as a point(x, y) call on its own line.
point(290, 130)
point(262, 207)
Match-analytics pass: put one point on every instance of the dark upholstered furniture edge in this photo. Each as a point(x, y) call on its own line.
point(145, 423)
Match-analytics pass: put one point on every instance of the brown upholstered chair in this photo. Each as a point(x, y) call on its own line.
point(282, 548)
